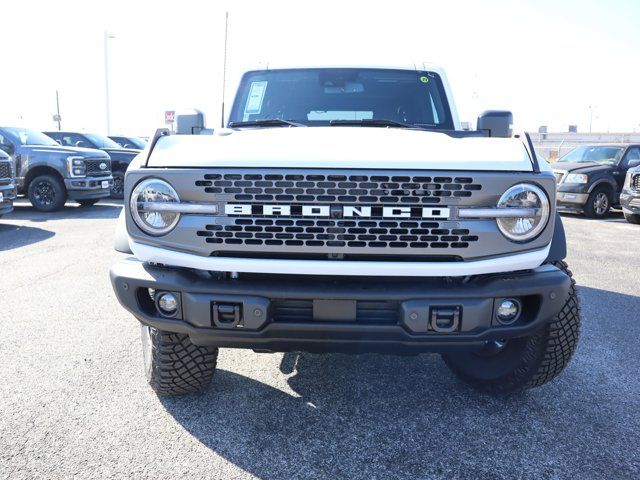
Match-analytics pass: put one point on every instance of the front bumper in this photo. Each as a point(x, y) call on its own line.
point(8, 193)
point(88, 187)
point(391, 315)
point(571, 200)
point(630, 201)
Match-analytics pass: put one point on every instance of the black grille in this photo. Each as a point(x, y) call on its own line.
point(316, 188)
point(94, 170)
point(310, 232)
point(5, 170)
point(635, 182)
point(377, 312)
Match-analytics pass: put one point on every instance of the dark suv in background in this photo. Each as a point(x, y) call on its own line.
point(120, 157)
point(129, 142)
point(590, 178)
point(7, 187)
point(630, 196)
point(49, 173)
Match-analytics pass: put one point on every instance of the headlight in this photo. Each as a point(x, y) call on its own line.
point(576, 178)
point(76, 166)
point(522, 229)
point(153, 191)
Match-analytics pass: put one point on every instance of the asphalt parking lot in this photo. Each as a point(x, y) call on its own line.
point(74, 401)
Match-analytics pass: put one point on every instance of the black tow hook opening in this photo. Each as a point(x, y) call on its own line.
point(226, 315)
point(444, 319)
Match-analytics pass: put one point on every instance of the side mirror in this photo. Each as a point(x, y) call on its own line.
point(8, 149)
point(497, 123)
point(190, 122)
point(633, 163)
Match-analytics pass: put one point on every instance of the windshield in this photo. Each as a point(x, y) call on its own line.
point(590, 154)
point(101, 141)
point(318, 96)
point(24, 136)
point(136, 142)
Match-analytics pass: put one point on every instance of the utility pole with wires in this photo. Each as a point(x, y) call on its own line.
point(224, 64)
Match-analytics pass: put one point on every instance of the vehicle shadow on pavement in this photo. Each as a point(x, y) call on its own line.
point(70, 211)
point(378, 416)
point(15, 236)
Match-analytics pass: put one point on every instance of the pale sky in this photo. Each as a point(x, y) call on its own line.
point(545, 60)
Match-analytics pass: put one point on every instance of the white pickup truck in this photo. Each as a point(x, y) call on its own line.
point(345, 210)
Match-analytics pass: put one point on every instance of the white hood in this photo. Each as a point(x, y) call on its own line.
point(340, 147)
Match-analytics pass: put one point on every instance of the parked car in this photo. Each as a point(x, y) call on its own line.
point(630, 196)
point(7, 185)
point(120, 157)
point(49, 173)
point(590, 178)
point(129, 142)
point(372, 230)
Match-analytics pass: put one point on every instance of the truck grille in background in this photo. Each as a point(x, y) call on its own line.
point(378, 312)
point(93, 167)
point(5, 170)
point(317, 188)
point(357, 232)
point(635, 182)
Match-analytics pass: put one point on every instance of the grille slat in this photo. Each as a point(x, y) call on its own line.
point(357, 232)
point(378, 312)
point(314, 188)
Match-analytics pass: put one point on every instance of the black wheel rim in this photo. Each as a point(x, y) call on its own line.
point(44, 194)
point(601, 203)
point(118, 185)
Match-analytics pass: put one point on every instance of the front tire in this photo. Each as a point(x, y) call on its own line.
point(47, 193)
point(117, 189)
point(632, 218)
point(598, 204)
point(174, 365)
point(527, 362)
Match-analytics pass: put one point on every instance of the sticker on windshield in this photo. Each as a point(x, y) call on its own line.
point(424, 79)
point(256, 96)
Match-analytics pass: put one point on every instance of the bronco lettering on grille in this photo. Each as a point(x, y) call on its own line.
point(336, 211)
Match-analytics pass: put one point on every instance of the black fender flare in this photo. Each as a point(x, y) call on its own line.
point(558, 250)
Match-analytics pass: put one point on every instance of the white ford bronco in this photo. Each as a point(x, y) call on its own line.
point(345, 210)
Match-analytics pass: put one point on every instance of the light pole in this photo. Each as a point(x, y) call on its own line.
point(591, 109)
point(107, 36)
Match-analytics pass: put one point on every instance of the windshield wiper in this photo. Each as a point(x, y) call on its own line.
point(374, 122)
point(267, 122)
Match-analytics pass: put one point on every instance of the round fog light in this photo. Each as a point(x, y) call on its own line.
point(508, 311)
point(167, 304)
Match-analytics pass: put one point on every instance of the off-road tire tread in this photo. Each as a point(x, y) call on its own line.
point(546, 353)
point(178, 366)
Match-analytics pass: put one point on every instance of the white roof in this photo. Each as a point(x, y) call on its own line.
point(419, 65)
